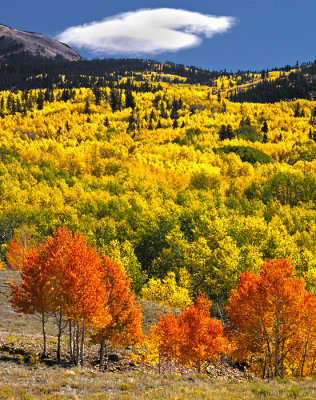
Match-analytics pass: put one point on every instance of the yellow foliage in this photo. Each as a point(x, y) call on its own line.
point(167, 292)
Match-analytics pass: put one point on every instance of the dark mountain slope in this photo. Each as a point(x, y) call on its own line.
point(299, 84)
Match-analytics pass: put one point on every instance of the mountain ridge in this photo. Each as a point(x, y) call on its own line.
point(14, 42)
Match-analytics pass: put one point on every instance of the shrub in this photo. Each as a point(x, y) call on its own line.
point(246, 154)
point(248, 132)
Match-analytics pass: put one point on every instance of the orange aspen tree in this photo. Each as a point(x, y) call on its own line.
point(33, 294)
point(79, 293)
point(57, 252)
point(125, 327)
point(272, 318)
point(169, 335)
point(63, 277)
point(202, 336)
point(84, 293)
point(190, 338)
point(302, 362)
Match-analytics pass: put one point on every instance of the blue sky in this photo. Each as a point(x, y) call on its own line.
point(264, 34)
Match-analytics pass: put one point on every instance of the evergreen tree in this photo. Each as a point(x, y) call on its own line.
point(223, 133)
point(87, 108)
point(297, 112)
point(131, 122)
point(2, 107)
point(310, 134)
point(265, 127)
point(229, 132)
point(115, 100)
point(129, 100)
point(98, 95)
point(40, 101)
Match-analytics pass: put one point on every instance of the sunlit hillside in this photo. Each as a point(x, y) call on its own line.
point(207, 204)
point(172, 178)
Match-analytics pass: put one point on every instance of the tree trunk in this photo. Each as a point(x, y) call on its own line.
point(199, 366)
point(170, 367)
point(44, 336)
point(264, 367)
point(59, 324)
point(276, 345)
point(107, 353)
point(270, 367)
point(313, 364)
point(77, 345)
point(71, 343)
point(102, 354)
point(82, 343)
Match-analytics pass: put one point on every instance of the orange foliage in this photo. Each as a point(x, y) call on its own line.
point(33, 295)
point(192, 337)
point(169, 337)
point(63, 276)
point(125, 327)
point(275, 320)
point(18, 246)
point(202, 337)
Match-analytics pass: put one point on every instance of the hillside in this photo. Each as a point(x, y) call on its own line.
point(163, 173)
point(15, 42)
point(299, 83)
point(26, 71)
point(151, 163)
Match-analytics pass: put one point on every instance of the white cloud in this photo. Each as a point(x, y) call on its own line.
point(148, 31)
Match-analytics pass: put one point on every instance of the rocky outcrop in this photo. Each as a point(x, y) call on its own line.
point(14, 41)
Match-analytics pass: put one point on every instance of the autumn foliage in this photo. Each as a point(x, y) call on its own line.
point(125, 326)
point(182, 188)
point(272, 317)
point(67, 278)
point(190, 338)
point(273, 321)
point(19, 245)
point(202, 336)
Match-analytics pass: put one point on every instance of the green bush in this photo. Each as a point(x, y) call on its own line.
point(248, 132)
point(246, 154)
point(204, 181)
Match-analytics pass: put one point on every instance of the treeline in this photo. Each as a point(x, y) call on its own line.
point(23, 71)
point(28, 72)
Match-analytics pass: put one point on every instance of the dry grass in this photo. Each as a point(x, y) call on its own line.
point(19, 382)
point(22, 376)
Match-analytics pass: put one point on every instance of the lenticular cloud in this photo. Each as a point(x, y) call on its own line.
point(148, 31)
